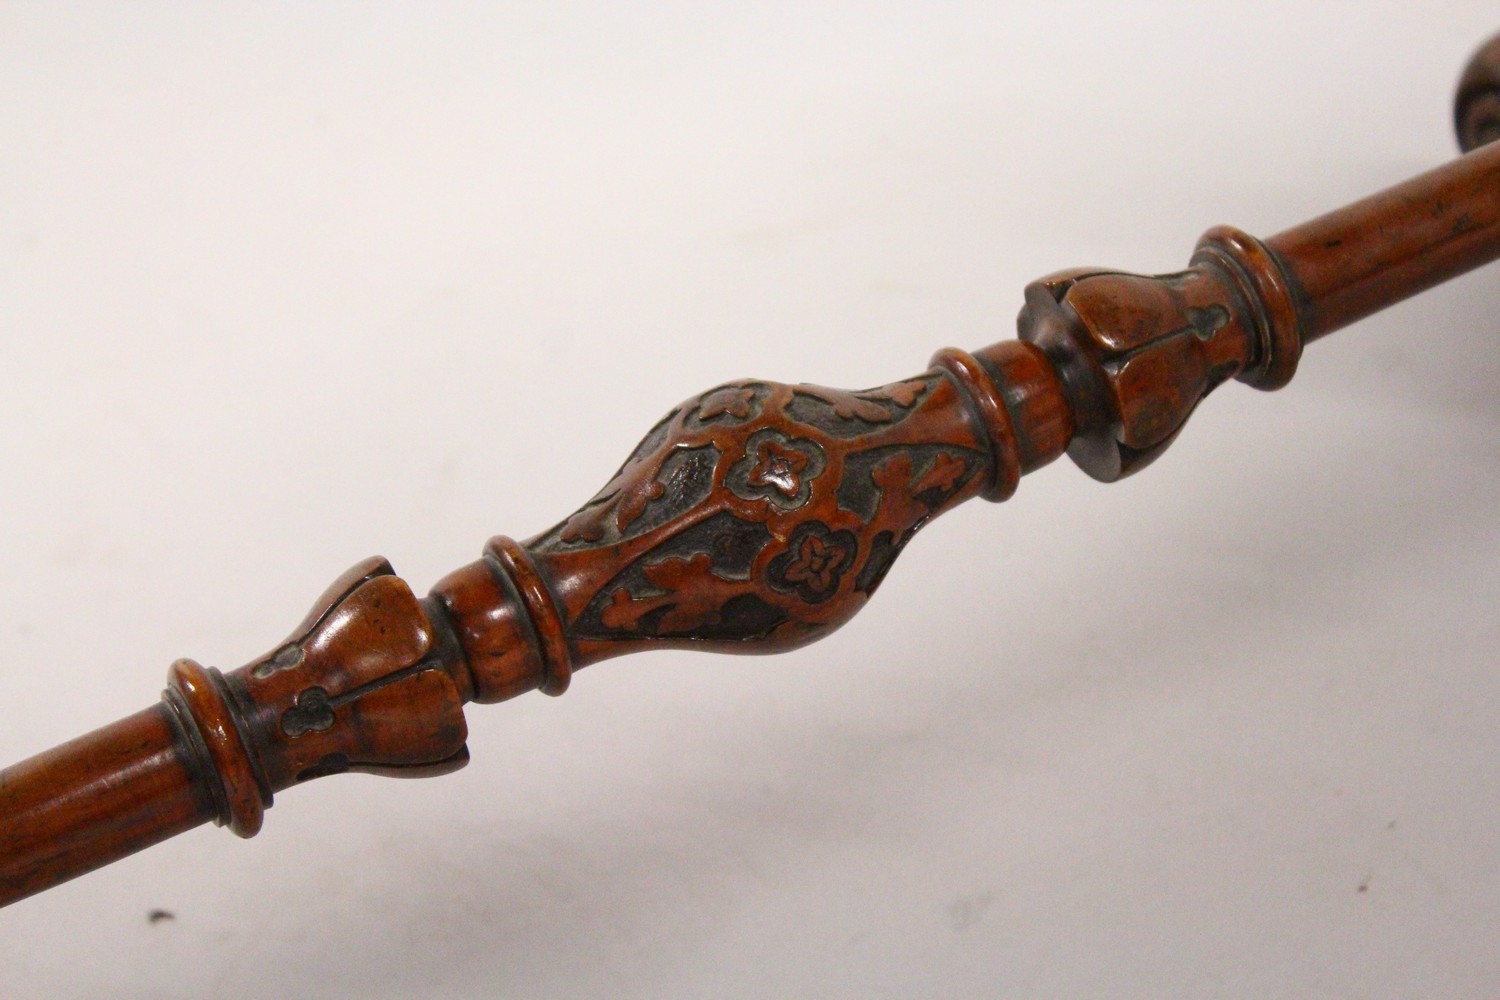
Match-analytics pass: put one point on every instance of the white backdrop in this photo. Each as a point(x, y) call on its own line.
point(282, 286)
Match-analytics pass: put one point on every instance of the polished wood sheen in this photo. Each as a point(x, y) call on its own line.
point(96, 799)
point(1345, 265)
point(754, 517)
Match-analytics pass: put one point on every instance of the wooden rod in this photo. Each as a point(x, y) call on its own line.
point(96, 799)
point(756, 517)
point(1360, 259)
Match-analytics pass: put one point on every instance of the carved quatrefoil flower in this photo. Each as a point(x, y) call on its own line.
point(814, 562)
point(776, 468)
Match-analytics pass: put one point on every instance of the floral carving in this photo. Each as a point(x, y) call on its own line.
point(814, 562)
point(689, 603)
point(736, 401)
point(627, 498)
point(779, 467)
point(866, 405)
point(776, 468)
point(313, 713)
point(644, 495)
point(687, 598)
point(758, 512)
point(903, 394)
point(584, 526)
point(943, 478)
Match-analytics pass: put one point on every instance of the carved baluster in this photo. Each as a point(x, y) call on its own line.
point(1138, 354)
point(363, 684)
point(753, 518)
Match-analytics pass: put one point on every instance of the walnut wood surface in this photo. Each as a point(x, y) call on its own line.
point(754, 517)
point(96, 799)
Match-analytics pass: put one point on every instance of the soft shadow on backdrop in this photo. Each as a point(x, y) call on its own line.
point(284, 287)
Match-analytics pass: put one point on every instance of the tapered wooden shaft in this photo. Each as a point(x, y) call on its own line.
point(1360, 259)
point(755, 517)
point(96, 799)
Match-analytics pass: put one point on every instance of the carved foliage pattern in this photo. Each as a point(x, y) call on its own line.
point(761, 511)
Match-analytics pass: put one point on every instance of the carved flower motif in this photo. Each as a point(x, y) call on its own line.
point(776, 468)
point(814, 562)
point(867, 405)
point(735, 401)
point(779, 467)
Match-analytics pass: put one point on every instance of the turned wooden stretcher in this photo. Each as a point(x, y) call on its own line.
point(755, 517)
